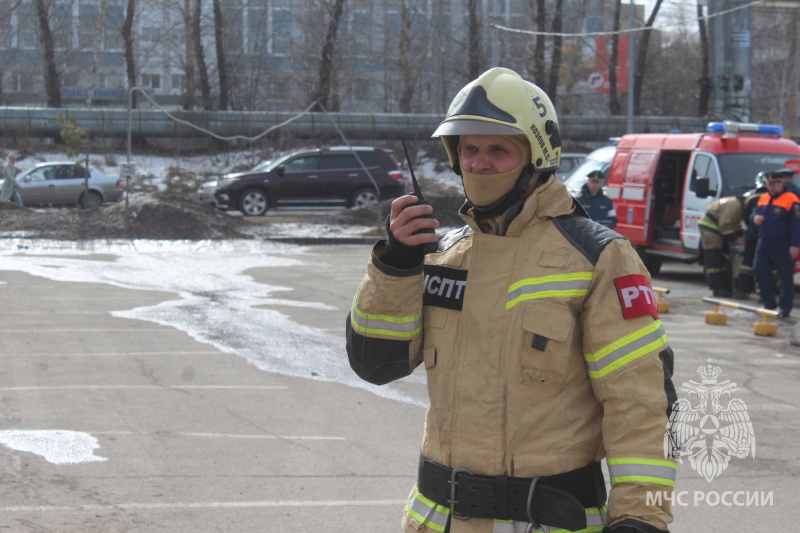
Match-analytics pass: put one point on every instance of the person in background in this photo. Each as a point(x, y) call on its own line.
point(787, 175)
point(10, 190)
point(537, 329)
point(777, 216)
point(721, 225)
point(598, 206)
point(745, 282)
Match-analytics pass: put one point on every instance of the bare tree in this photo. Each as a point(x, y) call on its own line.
point(222, 69)
point(189, 59)
point(98, 43)
point(538, 54)
point(406, 84)
point(322, 95)
point(127, 38)
point(641, 58)
point(199, 55)
point(474, 39)
point(52, 83)
point(555, 63)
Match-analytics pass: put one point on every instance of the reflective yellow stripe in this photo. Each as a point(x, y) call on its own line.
point(427, 512)
point(709, 224)
point(557, 285)
point(626, 350)
point(638, 470)
point(402, 327)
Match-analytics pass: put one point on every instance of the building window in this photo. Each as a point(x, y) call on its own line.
point(179, 82)
point(151, 81)
point(88, 26)
point(281, 31)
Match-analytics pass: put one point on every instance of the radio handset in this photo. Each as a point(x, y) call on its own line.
point(427, 247)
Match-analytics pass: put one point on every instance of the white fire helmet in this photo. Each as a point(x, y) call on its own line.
point(500, 102)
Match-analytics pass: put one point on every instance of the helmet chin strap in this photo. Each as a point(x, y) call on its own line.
point(510, 198)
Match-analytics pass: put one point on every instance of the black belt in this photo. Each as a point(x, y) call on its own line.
point(556, 501)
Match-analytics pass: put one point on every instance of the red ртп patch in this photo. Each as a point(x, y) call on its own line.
point(635, 296)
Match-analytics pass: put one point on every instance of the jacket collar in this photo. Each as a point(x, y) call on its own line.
point(549, 199)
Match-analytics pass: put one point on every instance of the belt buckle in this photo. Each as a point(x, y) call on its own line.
point(453, 481)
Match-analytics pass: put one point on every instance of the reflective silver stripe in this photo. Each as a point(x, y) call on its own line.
point(403, 327)
point(642, 471)
point(595, 522)
point(427, 512)
point(626, 349)
point(564, 285)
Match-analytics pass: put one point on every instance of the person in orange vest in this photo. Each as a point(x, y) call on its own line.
point(777, 216)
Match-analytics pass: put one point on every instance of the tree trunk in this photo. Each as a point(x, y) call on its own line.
point(705, 76)
point(538, 54)
point(52, 84)
point(202, 70)
point(222, 69)
point(474, 50)
point(98, 44)
point(614, 106)
point(555, 64)
point(407, 86)
point(127, 38)
point(188, 62)
point(323, 93)
point(641, 59)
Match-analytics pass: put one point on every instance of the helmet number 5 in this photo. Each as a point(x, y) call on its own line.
point(540, 106)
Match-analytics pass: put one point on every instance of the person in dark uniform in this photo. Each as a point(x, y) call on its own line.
point(598, 206)
point(777, 216)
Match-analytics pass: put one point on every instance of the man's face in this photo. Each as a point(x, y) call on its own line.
point(775, 187)
point(488, 154)
point(594, 186)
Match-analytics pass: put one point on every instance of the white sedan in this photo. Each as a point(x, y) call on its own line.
point(67, 183)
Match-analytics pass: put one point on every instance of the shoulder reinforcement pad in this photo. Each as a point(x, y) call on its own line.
point(590, 238)
point(451, 237)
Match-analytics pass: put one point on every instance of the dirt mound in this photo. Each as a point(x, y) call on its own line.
point(144, 217)
point(445, 210)
point(170, 217)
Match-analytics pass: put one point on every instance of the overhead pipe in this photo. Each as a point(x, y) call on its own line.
point(144, 123)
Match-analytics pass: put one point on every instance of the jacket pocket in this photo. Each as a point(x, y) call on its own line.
point(548, 329)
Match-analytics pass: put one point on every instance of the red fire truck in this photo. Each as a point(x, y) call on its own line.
point(662, 183)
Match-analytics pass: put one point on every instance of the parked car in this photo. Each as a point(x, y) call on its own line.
point(324, 176)
point(599, 159)
point(205, 193)
point(569, 162)
point(66, 183)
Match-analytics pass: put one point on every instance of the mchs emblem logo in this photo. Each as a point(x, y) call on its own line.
point(713, 429)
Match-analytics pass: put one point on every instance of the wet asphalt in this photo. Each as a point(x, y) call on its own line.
point(195, 439)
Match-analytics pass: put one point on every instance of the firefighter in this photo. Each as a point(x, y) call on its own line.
point(777, 216)
point(721, 225)
point(745, 282)
point(598, 206)
point(538, 331)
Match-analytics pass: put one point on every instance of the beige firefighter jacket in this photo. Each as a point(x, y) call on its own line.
point(592, 388)
point(724, 216)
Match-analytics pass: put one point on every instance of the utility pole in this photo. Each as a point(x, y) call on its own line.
point(729, 61)
point(631, 63)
